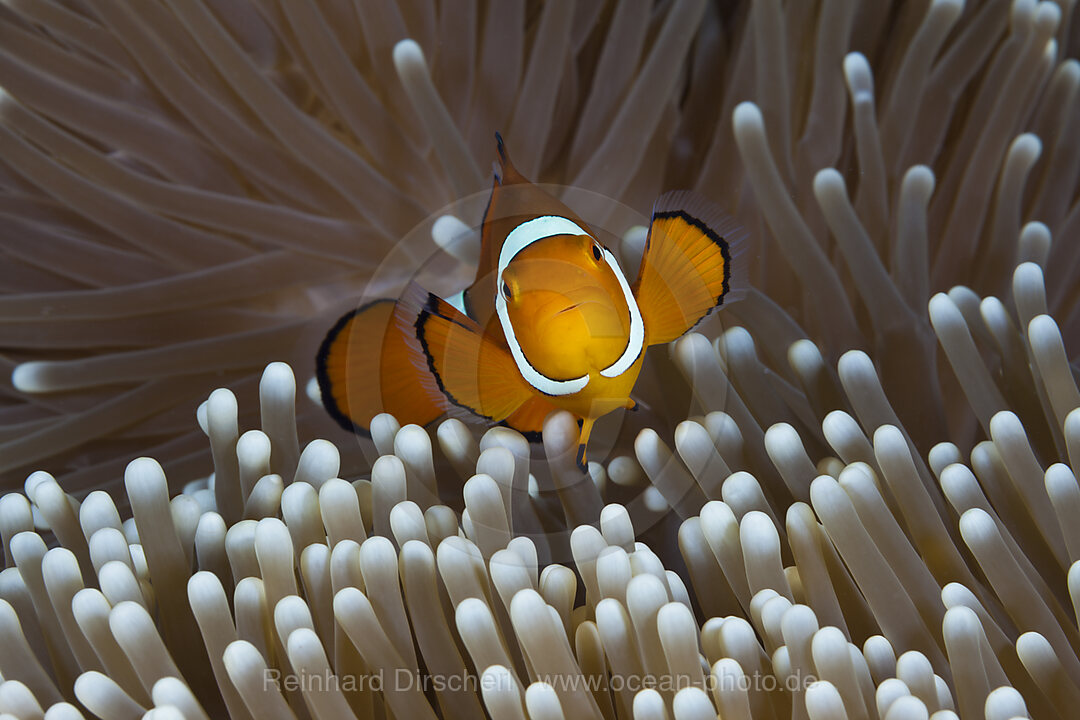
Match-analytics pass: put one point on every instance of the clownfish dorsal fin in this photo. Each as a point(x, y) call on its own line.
point(514, 200)
point(694, 261)
point(508, 174)
point(500, 147)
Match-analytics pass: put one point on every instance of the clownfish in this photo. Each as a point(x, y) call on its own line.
point(551, 321)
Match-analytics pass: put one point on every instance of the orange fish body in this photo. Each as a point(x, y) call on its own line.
point(551, 320)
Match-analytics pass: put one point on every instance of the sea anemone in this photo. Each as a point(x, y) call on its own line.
point(818, 515)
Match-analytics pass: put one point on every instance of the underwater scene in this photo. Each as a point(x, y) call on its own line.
point(539, 359)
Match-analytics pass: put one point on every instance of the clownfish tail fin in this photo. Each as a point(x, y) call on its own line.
point(362, 368)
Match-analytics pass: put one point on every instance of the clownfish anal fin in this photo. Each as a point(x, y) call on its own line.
point(693, 262)
point(471, 372)
point(363, 369)
point(528, 419)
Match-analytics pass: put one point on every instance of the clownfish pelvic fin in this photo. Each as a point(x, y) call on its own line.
point(583, 441)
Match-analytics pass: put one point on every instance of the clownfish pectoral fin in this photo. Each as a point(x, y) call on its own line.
point(363, 369)
point(694, 256)
point(469, 370)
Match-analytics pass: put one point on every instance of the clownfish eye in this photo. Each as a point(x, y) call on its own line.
point(506, 290)
point(596, 251)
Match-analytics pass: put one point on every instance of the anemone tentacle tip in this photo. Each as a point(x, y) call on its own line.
point(30, 377)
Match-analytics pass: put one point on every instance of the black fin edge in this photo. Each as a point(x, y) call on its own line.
point(322, 375)
point(428, 309)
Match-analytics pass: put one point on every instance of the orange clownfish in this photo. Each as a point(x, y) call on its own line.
point(551, 321)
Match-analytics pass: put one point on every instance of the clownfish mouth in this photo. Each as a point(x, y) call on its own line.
point(571, 307)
